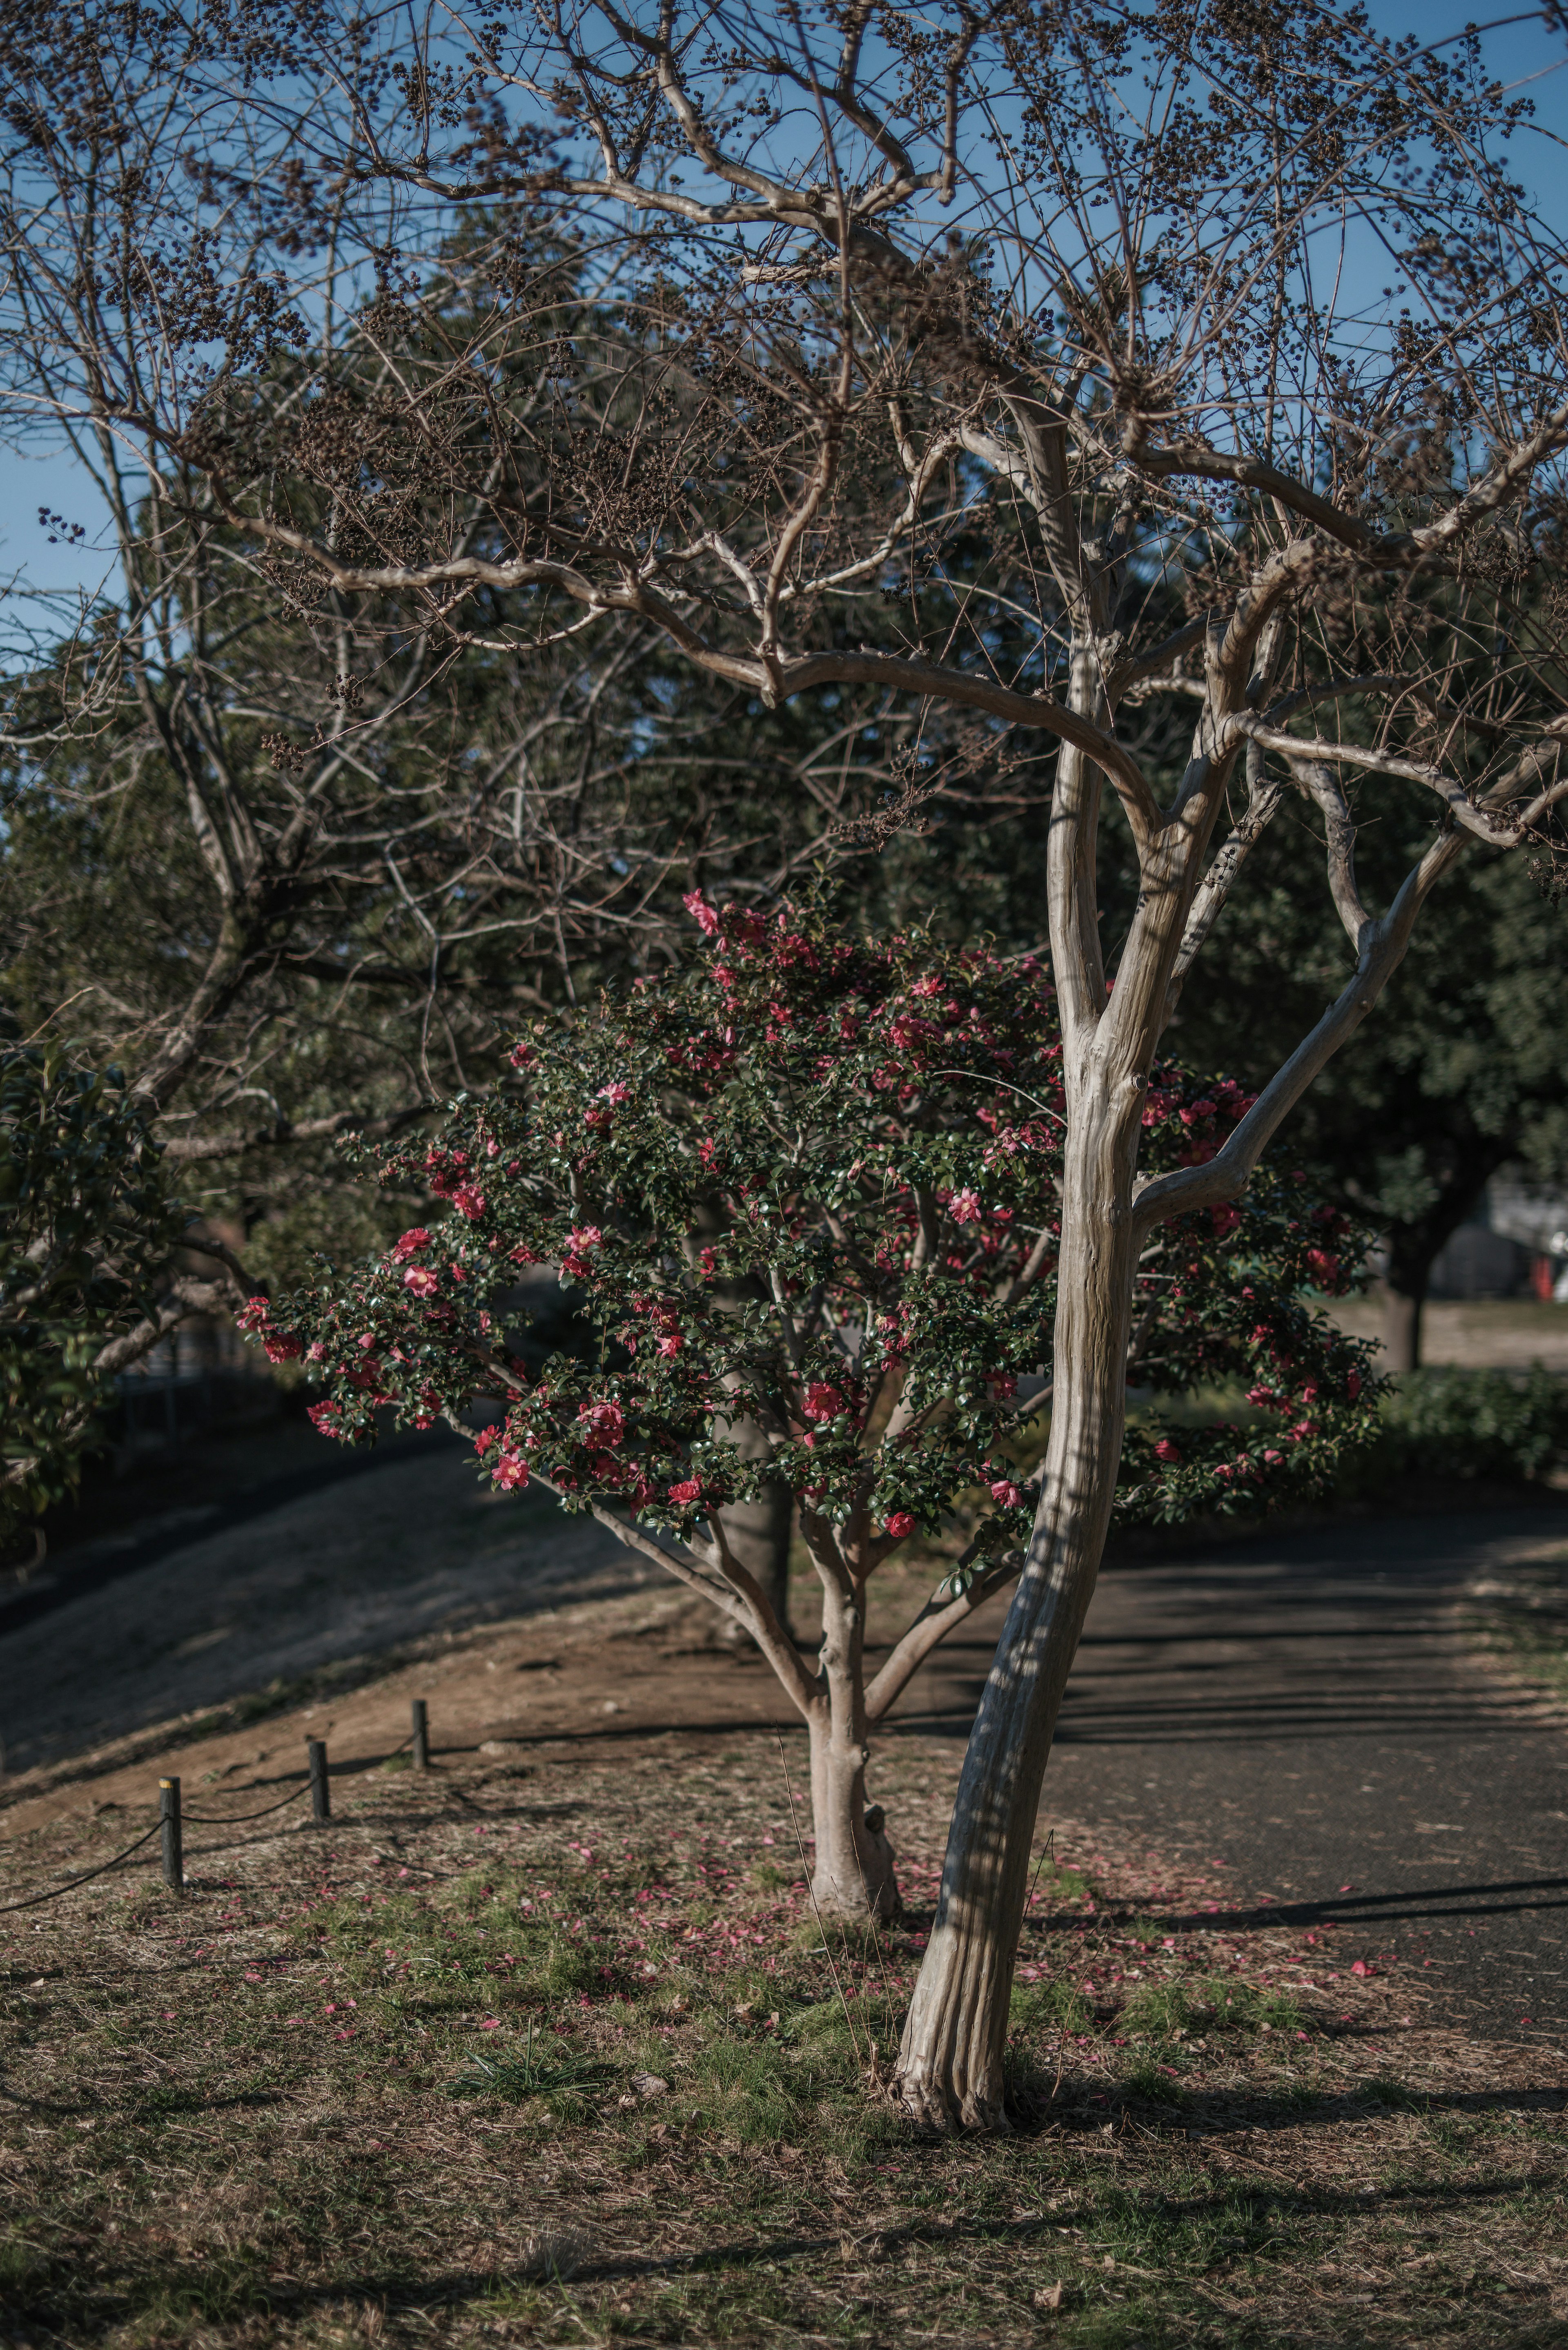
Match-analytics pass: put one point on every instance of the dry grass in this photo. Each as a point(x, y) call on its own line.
point(551, 2050)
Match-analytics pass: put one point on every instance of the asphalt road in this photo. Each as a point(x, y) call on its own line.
point(1308, 1712)
point(1304, 1709)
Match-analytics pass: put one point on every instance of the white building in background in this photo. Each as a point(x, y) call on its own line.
point(1516, 1243)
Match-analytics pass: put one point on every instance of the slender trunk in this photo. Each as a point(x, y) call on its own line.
point(950, 2063)
point(853, 1876)
point(758, 1532)
point(1402, 1328)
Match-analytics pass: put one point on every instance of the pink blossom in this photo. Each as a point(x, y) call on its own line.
point(689, 1489)
point(704, 915)
point(1165, 1451)
point(282, 1346)
point(616, 1093)
point(410, 1243)
point(1225, 1219)
point(900, 1523)
point(510, 1471)
point(253, 1314)
point(964, 1206)
point(420, 1280)
point(585, 1236)
point(469, 1200)
point(603, 1423)
point(487, 1436)
point(822, 1401)
point(325, 1417)
point(521, 1055)
point(1005, 1492)
point(669, 1345)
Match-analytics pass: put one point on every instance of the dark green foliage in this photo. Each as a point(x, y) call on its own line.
point(86, 1228)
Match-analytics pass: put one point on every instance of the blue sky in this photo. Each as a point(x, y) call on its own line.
point(52, 480)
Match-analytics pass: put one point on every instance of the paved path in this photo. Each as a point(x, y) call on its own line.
point(1303, 1708)
point(1307, 1712)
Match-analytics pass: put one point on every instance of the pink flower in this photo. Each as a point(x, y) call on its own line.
point(325, 1417)
point(1165, 1451)
point(603, 1423)
point(253, 1314)
point(704, 915)
point(616, 1093)
point(900, 1523)
point(422, 1281)
point(689, 1491)
point(1004, 1386)
point(670, 1346)
point(822, 1401)
point(510, 1471)
point(1326, 1266)
point(487, 1436)
point(964, 1206)
point(469, 1200)
point(282, 1346)
point(1226, 1219)
point(410, 1243)
point(583, 1236)
point(1005, 1492)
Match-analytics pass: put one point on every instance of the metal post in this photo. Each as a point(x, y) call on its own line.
point(421, 1734)
point(320, 1791)
point(173, 1847)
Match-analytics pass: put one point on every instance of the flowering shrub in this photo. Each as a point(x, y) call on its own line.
point(809, 1183)
point(807, 1186)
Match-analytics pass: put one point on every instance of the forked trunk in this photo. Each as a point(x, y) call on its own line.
point(853, 1876)
point(950, 2063)
point(854, 1873)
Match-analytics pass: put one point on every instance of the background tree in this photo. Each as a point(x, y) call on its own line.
point(1238, 308)
point(811, 1190)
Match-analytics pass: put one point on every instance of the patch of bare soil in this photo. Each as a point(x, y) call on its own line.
point(547, 2045)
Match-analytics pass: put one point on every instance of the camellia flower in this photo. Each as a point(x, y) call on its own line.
point(469, 1200)
point(1005, 1492)
point(325, 1417)
point(705, 916)
point(510, 1472)
point(487, 1436)
point(422, 1281)
point(584, 1237)
point(410, 1243)
point(964, 1206)
point(616, 1093)
point(669, 1345)
point(603, 1423)
point(282, 1346)
point(689, 1490)
point(821, 1401)
point(1165, 1451)
point(900, 1523)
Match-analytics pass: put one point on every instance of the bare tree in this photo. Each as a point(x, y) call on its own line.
point(1223, 340)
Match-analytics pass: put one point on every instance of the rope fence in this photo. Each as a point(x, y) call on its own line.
point(172, 1818)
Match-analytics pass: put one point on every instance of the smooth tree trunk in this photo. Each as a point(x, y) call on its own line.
point(1402, 1329)
point(853, 1875)
point(758, 1532)
point(950, 2063)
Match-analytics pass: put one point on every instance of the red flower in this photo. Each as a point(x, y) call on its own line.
point(964, 1206)
point(704, 915)
point(510, 1471)
point(282, 1346)
point(487, 1436)
point(410, 1243)
point(1165, 1451)
point(670, 1346)
point(326, 1417)
point(603, 1423)
point(1005, 1492)
point(469, 1200)
point(253, 1314)
point(900, 1523)
point(689, 1491)
point(822, 1401)
point(521, 1055)
point(583, 1236)
point(420, 1280)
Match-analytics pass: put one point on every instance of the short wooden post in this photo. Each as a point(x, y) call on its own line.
point(421, 1734)
point(173, 1846)
point(320, 1790)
